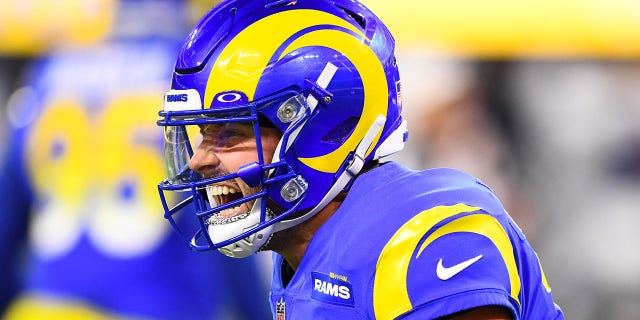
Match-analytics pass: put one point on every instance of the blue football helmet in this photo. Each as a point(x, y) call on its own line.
point(322, 72)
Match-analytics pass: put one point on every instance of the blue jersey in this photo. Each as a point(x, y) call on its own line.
point(83, 163)
point(414, 245)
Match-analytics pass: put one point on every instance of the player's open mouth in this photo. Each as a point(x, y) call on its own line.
point(225, 194)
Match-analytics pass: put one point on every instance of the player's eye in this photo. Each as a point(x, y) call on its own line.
point(227, 135)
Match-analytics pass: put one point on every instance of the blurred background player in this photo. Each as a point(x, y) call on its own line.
point(81, 168)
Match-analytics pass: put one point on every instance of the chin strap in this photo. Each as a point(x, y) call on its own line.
point(351, 171)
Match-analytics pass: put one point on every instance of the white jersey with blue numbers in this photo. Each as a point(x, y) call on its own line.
point(414, 245)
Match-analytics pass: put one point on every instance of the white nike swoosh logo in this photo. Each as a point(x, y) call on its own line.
point(446, 273)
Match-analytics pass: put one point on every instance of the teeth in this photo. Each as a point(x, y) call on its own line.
point(220, 190)
point(212, 199)
point(228, 212)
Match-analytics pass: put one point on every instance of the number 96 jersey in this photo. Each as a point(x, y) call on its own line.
point(414, 245)
point(83, 162)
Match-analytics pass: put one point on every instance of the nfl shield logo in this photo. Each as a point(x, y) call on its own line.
point(280, 311)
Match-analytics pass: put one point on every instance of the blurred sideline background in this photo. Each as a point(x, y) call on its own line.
point(538, 98)
point(82, 234)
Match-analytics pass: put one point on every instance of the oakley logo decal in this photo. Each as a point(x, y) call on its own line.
point(229, 97)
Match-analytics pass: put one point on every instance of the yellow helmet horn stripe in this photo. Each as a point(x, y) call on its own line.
point(375, 90)
point(241, 63)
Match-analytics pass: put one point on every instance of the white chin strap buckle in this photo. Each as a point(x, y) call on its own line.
point(248, 245)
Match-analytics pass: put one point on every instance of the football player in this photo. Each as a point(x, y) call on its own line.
point(277, 120)
point(82, 164)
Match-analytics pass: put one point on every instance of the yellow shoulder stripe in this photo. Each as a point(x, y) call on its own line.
point(488, 226)
point(390, 296)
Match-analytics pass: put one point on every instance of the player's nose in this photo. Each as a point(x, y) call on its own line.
point(204, 160)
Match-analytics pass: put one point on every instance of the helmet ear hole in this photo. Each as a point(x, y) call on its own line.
point(340, 133)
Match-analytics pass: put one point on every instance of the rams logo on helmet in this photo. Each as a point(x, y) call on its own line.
point(241, 63)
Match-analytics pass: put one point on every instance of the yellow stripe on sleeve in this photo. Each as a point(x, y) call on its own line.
point(390, 296)
point(488, 226)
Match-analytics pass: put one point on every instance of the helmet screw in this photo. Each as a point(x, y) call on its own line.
point(287, 112)
point(293, 189)
point(291, 192)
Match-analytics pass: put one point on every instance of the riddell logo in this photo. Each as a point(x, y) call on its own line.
point(177, 97)
point(331, 289)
